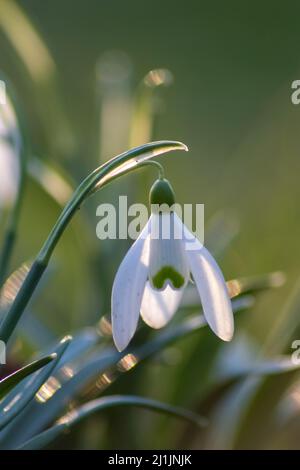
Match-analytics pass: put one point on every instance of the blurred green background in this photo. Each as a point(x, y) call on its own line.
point(77, 67)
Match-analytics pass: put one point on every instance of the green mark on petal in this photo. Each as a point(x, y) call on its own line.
point(167, 273)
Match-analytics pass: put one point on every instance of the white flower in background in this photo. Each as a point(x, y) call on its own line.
point(10, 146)
point(154, 273)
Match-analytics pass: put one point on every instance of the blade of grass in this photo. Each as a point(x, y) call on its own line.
point(98, 364)
point(19, 397)
point(73, 387)
point(70, 419)
point(239, 287)
point(253, 284)
point(9, 382)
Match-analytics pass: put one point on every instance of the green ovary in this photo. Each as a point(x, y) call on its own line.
point(165, 273)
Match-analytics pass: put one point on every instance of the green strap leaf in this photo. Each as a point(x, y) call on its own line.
point(7, 384)
point(240, 287)
point(253, 284)
point(101, 361)
point(97, 364)
point(176, 332)
point(18, 398)
point(77, 415)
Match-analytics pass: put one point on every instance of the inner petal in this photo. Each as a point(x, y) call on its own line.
point(158, 307)
point(167, 260)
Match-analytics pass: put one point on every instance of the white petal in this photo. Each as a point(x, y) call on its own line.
point(128, 289)
point(158, 307)
point(212, 289)
point(167, 262)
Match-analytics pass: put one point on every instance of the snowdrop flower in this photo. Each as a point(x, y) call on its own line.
point(154, 273)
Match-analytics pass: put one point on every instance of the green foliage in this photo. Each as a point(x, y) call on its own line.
point(12, 380)
point(244, 394)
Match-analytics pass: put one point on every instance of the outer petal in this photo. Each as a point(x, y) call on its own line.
point(212, 288)
point(128, 289)
point(158, 307)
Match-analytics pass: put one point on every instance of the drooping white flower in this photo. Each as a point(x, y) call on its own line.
point(155, 271)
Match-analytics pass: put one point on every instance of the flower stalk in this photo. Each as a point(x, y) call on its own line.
point(106, 173)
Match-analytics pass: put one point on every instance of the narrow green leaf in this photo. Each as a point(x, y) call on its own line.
point(12, 380)
point(97, 364)
point(77, 415)
point(12, 286)
point(243, 403)
point(250, 285)
point(82, 342)
point(240, 286)
point(191, 325)
point(20, 396)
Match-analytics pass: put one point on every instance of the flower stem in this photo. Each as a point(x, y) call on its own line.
point(160, 168)
point(14, 314)
point(106, 173)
